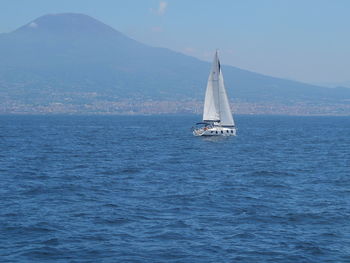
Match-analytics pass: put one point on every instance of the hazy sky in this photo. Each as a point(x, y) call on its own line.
point(306, 40)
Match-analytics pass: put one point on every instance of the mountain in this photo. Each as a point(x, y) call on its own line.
point(74, 53)
point(77, 52)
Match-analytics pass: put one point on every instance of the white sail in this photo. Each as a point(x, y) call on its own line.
point(224, 105)
point(211, 103)
point(216, 105)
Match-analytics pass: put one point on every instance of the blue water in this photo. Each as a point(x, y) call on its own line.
point(143, 189)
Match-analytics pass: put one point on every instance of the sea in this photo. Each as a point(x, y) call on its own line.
point(144, 189)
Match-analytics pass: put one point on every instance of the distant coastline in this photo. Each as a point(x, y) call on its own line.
point(159, 107)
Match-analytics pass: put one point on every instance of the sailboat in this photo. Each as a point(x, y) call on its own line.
point(217, 116)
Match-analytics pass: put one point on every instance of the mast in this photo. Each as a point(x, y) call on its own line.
point(218, 68)
point(211, 111)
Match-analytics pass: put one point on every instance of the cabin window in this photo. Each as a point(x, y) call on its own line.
point(227, 131)
point(211, 131)
point(222, 131)
point(231, 131)
point(216, 132)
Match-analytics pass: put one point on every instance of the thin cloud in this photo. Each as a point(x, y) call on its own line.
point(33, 25)
point(161, 8)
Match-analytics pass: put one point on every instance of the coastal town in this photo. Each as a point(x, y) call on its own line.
point(69, 105)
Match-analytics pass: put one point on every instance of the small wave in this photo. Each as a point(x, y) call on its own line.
point(168, 236)
point(271, 173)
point(245, 235)
point(51, 241)
point(130, 171)
point(178, 224)
point(111, 205)
point(310, 247)
point(116, 221)
point(45, 252)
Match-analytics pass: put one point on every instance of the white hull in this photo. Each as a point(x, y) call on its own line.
point(215, 131)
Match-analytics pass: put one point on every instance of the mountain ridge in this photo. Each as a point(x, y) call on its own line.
point(75, 53)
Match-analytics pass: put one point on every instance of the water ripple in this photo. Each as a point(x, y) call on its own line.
point(97, 189)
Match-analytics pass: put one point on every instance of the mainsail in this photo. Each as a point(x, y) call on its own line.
point(216, 105)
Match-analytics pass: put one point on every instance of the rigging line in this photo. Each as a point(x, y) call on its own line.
point(218, 84)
